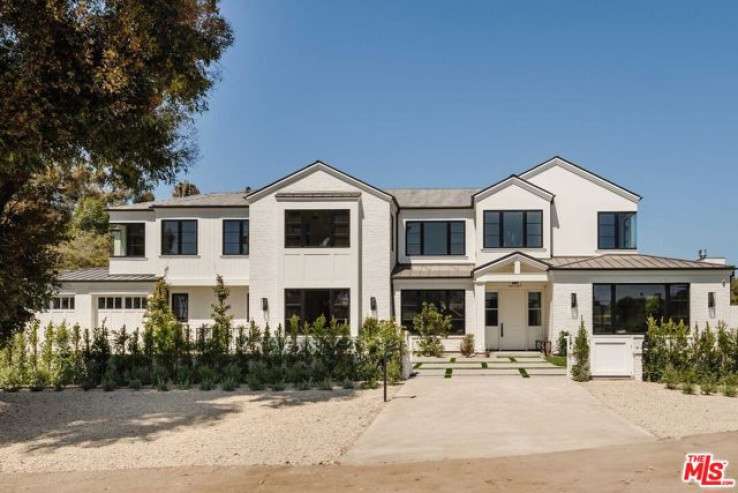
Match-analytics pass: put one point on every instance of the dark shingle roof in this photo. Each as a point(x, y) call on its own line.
point(102, 274)
point(235, 199)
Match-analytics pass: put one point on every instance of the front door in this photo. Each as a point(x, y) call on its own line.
point(512, 320)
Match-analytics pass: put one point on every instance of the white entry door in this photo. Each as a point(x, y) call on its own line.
point(513, 323)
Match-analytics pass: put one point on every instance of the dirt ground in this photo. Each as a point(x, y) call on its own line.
point(648, 467)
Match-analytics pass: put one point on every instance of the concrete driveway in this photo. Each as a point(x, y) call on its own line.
point(436, 419)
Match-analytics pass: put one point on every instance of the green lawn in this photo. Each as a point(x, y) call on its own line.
point(557, 360)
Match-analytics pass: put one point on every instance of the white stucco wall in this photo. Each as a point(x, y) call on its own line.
point(701, 283)
point(512, 198)
point(363, 268)
point(194, 270)
point(575, 208)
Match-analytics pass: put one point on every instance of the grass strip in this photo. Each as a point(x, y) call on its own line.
point(449, 371)
point(523, 373)
point(417, 365)
point(513, 360)
point(453, 360)
point(485, 365)
point(557, 360)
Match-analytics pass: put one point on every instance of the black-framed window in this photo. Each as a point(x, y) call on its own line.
point(235, 237)
point(535, 307)
point(129, 239)
point(179, 237)
point(513, 229)
point(616, 231)
point(491, 309)
point(625, 308)
point(181, 306)
point(447, 301)
point(309, 304)
point(61, 303)
point(435, 238)
point(110, 303)
point(317, 228)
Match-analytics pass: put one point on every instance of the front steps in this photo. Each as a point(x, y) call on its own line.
point(524, 364)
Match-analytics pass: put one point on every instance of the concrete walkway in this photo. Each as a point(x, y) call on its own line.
point(436, 419)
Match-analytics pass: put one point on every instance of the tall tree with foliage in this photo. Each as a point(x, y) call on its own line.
point(108, 87)
point(88, 242)
point(162, 328)
point(734, 292)
point(222, 319)
point(185, 189)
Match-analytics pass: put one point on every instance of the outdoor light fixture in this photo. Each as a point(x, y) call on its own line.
point(373, 303)
point(573, 301)
point(265, 304)
point(711, 299)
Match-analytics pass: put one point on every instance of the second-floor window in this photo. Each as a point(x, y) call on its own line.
point(316, 228)
point(179, 237)
point(129, 240)
point(616, 230)
point(513, 229)
point(235, 237)
point(435, 238)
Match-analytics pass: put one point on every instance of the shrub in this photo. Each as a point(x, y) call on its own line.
point(254, 382)
point(39, 381)
point(233, 371)
point(348, 384)
point(431, 326)
point(279, 386)
point(161, 383)
point(325, 384)
point(708, 385)
point(370, 384)
point(229, 384)
point(688, 383)
point(108, 383)
point(730, 386)
point(304, 385)
point(467, 346)
point(671, 378)
point(377, 338)
point(561, 343)
point(580, 350)
point(207, 378)
point(135, 384)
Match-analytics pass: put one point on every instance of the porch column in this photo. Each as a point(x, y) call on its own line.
point(480, 342)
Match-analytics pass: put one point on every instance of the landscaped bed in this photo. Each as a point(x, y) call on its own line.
point(666, 413)
point(77, 430)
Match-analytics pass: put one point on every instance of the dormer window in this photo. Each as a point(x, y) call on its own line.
point(129, 240)
point(616, 230)
point(513, 229)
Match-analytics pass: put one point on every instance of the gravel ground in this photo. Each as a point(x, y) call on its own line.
point(95, 430)
point(666, 413)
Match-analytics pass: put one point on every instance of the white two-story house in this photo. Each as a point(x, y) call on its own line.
point(513, 263)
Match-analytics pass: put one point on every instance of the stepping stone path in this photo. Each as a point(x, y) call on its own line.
point(514, 364)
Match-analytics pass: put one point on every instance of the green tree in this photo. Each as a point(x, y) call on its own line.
point(580, 370)
point(432, 326)
point(163, 327)
point(185, 189)
point(222, 323)
point(734, 292)
point(106, 89)
point(91, 216)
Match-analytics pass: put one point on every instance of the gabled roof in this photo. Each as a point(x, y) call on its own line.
point(311, 168)
point(433, 198)
point(514, 257)
point(514, 180)
point(102, 274)
point(614, 261)
point(585, 173)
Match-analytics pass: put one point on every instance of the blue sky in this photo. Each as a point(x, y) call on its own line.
point(461, 94)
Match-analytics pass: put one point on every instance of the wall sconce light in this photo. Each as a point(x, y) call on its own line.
point(711, 299)
point(265, 304)
point(373, 303)
point(573, 301)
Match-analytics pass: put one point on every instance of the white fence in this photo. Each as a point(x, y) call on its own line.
point(612, 356)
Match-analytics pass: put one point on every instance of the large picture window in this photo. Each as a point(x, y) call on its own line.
point(448, 302)
point(179, 237)
point(625, 308)
point(235, 237)
point(616, 230)
point(129, 239)
point(312, 228)
point(309, 304)
point(435, 238)
point(513, 229)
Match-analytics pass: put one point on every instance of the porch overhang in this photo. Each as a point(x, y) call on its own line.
point(513, 268)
